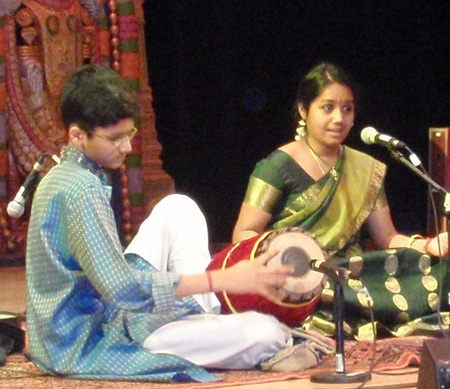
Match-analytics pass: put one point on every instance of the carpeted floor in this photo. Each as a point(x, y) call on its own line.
point(391, 354)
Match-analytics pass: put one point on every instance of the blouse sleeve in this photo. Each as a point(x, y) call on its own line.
point(265, 186)
point(381, 200)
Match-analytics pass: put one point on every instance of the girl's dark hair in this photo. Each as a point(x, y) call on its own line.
point(95, 96)
point(318, 78)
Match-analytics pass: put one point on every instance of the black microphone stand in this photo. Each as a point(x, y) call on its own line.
point(422, 174)
point(444, 193)
point(340, 375)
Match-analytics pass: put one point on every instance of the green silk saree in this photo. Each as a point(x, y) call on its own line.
point(404, 284)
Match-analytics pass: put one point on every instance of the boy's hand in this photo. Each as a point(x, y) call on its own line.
point(254, 277)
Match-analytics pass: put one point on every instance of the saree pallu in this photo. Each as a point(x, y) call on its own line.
point(334, 208)
point(408, 288)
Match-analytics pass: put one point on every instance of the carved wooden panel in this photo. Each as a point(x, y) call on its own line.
point(41, 43)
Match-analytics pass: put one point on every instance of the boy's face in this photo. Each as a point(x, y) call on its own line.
point(108, 146)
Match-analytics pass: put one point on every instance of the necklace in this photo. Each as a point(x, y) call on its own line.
point(317, 158)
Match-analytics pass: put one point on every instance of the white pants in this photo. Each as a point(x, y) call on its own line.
point(175, 238)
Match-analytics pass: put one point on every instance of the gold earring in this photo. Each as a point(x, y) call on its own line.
point(300, 130)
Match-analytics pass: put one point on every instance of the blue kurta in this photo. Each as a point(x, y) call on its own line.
point(90, 308)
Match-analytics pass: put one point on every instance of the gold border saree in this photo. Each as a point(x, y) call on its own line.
point(404, 284)
point(333, 209)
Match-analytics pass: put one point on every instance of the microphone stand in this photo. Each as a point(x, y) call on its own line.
point(444, 193)
point(340, 375)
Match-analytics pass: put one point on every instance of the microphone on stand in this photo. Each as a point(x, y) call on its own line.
point(55, 158)
point(334, 272)
point(370, 135)
point(337, 274)
point(16, 206)
point(302, 263)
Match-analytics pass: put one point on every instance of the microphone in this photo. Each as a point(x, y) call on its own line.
point(302, 263)
point(16, 207)
point(370, 135)
point(334, 272)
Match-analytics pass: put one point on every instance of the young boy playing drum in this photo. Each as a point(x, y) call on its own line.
point(95, 312)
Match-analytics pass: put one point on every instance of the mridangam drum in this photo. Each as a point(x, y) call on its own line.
point(295, 247)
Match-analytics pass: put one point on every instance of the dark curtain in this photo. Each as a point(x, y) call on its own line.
point(224, 76)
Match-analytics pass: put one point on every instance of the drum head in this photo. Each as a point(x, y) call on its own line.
point(298, 248)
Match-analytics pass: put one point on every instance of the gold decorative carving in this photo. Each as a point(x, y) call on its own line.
point(46, 40)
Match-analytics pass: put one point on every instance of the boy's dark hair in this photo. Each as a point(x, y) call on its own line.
point(95, 96)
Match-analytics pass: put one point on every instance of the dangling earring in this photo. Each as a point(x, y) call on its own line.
point(300, 130)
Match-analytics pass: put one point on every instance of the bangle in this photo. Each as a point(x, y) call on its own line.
point(412, 238)
point(425, 246)
point(210, 283)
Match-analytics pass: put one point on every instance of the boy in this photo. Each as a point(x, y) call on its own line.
point(95, 312)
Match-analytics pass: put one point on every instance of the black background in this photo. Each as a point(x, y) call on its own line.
point(224, 75)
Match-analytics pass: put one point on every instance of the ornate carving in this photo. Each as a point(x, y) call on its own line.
point(9, 6)
point(41, 43)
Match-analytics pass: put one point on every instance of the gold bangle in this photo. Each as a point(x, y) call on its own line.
point(412, 238)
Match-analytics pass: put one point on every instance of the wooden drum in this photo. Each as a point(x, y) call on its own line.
point(295, 247)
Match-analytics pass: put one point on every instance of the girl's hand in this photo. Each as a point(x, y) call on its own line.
point(438, 246)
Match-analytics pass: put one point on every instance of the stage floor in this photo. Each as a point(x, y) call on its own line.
point(13, 299)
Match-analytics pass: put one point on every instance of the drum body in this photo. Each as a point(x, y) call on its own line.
point(303, 288)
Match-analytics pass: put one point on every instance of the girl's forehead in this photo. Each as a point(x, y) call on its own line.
point(336, 92)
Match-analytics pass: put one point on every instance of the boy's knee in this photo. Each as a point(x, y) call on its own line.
point(267, 327)
point(178, 203)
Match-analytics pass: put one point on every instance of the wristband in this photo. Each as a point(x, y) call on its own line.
point(210, 283)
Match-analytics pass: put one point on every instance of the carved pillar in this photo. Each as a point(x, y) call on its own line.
point(41, 43)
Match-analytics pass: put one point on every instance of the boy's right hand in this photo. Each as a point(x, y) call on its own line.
point(254, 277)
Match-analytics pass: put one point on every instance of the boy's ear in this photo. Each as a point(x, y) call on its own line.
point(76, 135)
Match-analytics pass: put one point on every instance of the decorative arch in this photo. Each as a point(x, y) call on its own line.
point(42, 42)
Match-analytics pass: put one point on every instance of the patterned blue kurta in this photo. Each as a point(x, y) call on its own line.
point(90, 308)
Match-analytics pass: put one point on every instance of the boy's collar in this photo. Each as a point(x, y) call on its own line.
point(71, 153)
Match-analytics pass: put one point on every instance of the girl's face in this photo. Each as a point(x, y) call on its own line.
point(330, 116)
